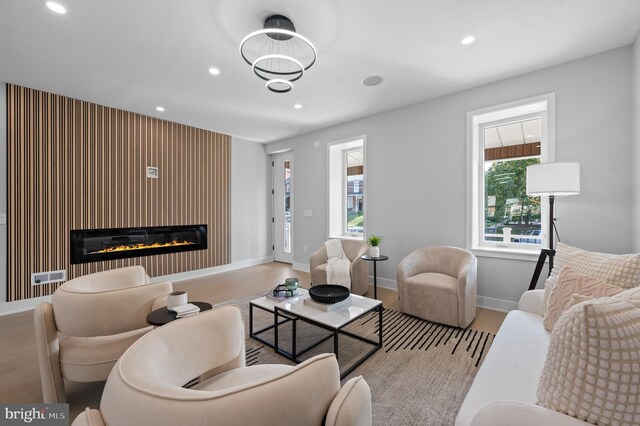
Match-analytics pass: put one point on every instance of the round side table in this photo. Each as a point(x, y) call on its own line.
point(162, 316)
point(375, 261)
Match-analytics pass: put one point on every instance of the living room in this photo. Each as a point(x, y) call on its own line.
point(180, 74)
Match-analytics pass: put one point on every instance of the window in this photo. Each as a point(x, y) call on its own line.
point(347, 189)
point(503, 141)
point(287, 206)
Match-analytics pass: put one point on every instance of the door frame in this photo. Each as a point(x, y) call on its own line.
point(278, 256)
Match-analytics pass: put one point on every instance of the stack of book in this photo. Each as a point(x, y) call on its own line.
point(186, 310)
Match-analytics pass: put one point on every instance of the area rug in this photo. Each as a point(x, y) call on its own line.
point(419, 377)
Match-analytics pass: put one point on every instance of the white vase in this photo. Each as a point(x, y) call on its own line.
point(374, 251)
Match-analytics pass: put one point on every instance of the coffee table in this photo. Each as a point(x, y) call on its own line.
point(335, 321)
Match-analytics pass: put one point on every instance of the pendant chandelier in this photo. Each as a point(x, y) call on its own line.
point(277, 54)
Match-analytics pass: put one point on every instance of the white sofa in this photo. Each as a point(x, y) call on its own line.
point(504, 390)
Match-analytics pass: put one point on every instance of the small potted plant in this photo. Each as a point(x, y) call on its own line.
point(374, 243)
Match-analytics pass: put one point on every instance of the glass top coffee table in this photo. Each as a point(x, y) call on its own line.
point(335, 321)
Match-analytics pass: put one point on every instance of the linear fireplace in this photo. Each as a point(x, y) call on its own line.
point(94, 245)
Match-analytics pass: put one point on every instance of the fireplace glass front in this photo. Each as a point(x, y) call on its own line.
point(94, 245)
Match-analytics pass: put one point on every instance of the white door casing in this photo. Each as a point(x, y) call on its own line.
point(283, 207)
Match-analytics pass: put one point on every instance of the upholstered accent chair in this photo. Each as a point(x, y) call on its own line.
point(359, 268)
point(146, 386)
point(89, 323)
point(439, 284)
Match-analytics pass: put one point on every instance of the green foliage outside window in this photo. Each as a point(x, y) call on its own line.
point(506, 200)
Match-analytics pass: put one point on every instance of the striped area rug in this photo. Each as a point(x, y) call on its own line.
point(419, 377)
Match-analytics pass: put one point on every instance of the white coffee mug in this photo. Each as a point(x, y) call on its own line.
point(176, 298)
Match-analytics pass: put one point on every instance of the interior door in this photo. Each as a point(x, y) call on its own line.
point(283, 207)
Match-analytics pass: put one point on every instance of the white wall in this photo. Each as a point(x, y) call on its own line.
point(417, 169)
point(636, 143)
point(250, 201)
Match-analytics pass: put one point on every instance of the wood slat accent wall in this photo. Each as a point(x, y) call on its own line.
point(512, 151)
point(78, 165)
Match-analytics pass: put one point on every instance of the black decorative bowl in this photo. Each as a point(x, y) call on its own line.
point(329, 293)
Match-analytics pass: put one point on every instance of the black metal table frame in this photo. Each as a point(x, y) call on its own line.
point(295, 355)
point(375, 261)
point(256, 334)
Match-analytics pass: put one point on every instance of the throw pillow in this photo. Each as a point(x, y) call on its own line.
point(622, 270)
point(571, 283)
point(592, 369)
point(632, 296)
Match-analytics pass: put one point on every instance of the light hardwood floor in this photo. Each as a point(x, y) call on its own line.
point(19, 372)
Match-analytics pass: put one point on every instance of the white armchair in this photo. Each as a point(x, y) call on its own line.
point(359, 269)
point(89, 323)
point(146, 385)
point(439, 284)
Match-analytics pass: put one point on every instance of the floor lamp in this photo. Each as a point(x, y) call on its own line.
point(551, 180)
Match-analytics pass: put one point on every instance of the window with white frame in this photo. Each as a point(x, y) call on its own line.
point(347, 188)
point(502, 142)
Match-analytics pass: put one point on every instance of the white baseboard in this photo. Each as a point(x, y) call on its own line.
point(8, 308)
point(302, 267)
point(384, 282)
point(496, 304)
point(199, 273)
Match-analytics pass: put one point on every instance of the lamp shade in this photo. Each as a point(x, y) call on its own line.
point(557, 179)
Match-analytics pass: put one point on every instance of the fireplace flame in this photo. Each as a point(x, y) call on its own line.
point(142, 246)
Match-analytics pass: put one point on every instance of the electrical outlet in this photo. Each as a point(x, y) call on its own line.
point(3, 218)
point(152, 172)
point(316, 144)
point(305, 249)
point(308, 213)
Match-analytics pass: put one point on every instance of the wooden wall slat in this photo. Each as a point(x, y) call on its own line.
point(76, 165)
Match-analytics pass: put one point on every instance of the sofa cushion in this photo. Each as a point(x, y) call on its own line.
point(622, 270)
point(571, 283)
point(592, 370)
point(511, 369)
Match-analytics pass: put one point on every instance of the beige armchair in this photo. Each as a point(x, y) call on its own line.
point(439, 284)
point(359, 268)
point(146, 385)
point(89, 323)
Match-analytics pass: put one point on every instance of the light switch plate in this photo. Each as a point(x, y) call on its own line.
point(316, 144)
point(308, 213)
point(3, 218)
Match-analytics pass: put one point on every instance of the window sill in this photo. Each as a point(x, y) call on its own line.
point(507, 253)
point(345, 237)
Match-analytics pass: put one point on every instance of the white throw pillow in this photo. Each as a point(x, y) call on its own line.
point(622, 270)
point(592, 370)
point(569, 285)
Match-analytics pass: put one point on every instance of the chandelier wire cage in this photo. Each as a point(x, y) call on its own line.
point(277, 54)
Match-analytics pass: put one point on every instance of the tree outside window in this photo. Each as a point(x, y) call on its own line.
point(507, 203)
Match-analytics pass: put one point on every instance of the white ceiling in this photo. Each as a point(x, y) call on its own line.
point(522, 132)
point(136, 54)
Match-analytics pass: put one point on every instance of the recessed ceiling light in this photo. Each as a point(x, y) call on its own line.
point(214, 71)
point(467, 40)
point(160, 109)
point(297, 106)
point(529, 136)
point(56, 7)
point(373, 80)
